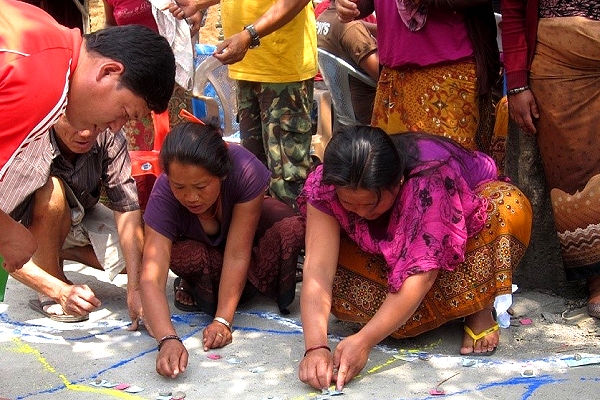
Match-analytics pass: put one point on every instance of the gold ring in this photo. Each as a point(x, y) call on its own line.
point(219, 334)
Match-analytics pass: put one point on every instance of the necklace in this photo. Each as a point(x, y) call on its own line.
point(214, 214)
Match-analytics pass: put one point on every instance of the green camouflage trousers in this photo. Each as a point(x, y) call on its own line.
point(276, 126)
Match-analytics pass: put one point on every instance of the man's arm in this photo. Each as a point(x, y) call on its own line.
point(234, 48)
point(17, 244)
point(370, 64)
point(131, 238)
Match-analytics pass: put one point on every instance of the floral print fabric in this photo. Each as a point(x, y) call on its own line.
point(433, 216)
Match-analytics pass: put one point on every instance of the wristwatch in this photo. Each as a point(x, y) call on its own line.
point(253, 35)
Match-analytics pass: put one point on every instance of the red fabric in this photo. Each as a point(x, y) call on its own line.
point(161, 128)
point(519, 31)
point(32, 100)
point(145, 168)
point(128, 12)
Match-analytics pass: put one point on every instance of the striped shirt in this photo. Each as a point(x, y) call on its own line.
point(107, 165)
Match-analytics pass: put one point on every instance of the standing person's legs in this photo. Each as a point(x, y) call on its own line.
point(287, 136)
point(565, 79)
point(251, 132)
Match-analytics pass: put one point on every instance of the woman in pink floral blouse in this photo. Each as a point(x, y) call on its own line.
point(404, 233)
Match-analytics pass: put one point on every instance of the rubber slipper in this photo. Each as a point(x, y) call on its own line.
point(177, 287)
point(477, 337)
point(38, 306)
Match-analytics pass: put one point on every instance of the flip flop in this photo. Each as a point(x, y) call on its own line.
point(38, 306)
point(475, 338)
point(179, 305)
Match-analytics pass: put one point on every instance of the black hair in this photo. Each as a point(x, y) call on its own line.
point(192, 143)
point(147, 58)
point(365, 157)
point(362, 157)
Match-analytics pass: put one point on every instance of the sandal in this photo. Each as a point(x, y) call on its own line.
point(479, 336)
point(178, 287)
point(42, 306)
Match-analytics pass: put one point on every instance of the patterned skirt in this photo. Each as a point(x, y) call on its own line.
point(278, 241)
point(360, 285)
point(565, 79)
point(441, 100)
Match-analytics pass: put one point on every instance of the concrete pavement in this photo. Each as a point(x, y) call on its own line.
point(552, 351)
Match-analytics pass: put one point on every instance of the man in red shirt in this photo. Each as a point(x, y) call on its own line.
point(98, 81)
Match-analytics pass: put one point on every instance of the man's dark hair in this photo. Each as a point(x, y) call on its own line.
point(146, 56)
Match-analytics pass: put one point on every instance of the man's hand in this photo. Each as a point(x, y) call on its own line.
point(78, 300)
point(347, 10)
point(134, 305)
point(17, 244)
point(195, 22)
point(234, 48)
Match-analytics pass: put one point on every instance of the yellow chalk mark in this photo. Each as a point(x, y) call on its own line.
point(24, 348)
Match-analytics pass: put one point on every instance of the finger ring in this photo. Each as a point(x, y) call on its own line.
point(220, 334)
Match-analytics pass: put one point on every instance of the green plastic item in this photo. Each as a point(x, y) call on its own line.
point(3, 279)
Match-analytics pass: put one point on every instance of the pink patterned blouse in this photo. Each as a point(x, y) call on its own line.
point(434, 214)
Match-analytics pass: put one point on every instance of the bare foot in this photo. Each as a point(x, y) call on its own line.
point(478, 323)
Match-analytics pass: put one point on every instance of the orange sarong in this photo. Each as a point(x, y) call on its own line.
point(360, 285)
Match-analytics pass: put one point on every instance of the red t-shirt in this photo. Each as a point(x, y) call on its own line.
point(37, 58)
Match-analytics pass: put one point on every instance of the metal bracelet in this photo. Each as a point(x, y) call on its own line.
point(224, 322)
point(517, 90)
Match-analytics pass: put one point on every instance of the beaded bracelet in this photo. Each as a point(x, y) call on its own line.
point(317, 347)
point(224, 322)
point(168, 337)
point(517, 90)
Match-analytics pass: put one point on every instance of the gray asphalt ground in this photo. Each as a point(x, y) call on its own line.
point(550, 351)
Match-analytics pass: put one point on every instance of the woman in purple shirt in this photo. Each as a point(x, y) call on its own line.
point(208, 220)
point(417, 231)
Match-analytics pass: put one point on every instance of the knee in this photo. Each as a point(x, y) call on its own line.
point(51, 200)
